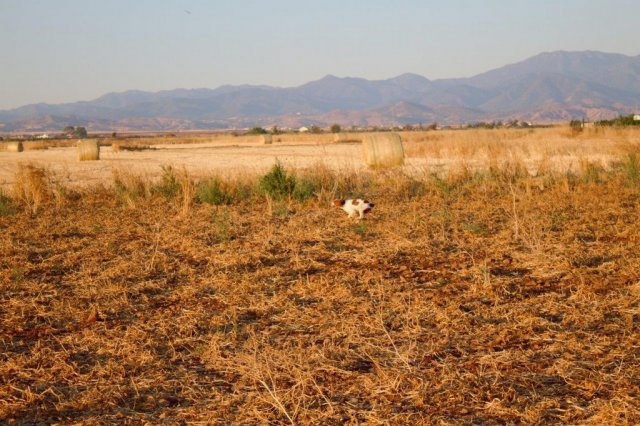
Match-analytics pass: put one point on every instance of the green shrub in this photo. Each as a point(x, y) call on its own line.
point(212, 192)
point(243, 190)
point(631, 167)
point(443, 187)
point(257, 131)
point(6, 206)
point(592, 173)
point(277, 184)
point(169, 187)
point(305, 188)
point(221, 224)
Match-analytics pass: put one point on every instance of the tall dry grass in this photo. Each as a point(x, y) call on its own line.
point(554, 148)
point(31, 187)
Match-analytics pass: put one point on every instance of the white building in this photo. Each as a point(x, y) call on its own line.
point(636, 117)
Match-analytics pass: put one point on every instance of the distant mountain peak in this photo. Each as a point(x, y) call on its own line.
point(409, 76)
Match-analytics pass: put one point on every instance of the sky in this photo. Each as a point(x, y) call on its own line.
point(57, 51)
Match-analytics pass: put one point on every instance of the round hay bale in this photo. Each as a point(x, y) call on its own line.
point(14, 146)
point(266, 139)
point(383, 150)
point(88, 150)
point(35, 146)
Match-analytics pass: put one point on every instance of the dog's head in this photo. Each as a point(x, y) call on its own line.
point(339, 203)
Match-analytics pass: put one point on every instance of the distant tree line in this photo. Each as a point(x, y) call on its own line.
point(621, 121)
point(75, 132)
point(499, 124)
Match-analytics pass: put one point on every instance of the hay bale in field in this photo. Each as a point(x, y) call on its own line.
point(266, 139)
point(383, 150)
point(126, 145)
point(88, 150)
point(14, 147)
point(35, 146)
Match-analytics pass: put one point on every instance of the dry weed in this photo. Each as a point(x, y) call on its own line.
point(31, 187)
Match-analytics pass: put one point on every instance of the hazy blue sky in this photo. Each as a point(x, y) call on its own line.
point(67, 50)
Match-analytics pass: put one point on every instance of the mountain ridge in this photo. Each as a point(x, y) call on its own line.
point(546, 87)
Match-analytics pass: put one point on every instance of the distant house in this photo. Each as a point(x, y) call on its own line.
point(636, 117)
point(43, 136)
point(303, 129)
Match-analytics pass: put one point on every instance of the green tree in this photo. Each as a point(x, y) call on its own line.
point(80, 132)
point(315, 129)
point(335, 128)
point(257, 131)
point(75, 132)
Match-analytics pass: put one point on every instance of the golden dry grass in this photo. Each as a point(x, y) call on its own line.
point(556, 148)
point(465, 298)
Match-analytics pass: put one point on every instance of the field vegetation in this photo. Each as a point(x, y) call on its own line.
point(503, 288)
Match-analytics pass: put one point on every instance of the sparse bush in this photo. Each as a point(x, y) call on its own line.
point(305, 188)
point(476, 228)
point(631, 167)
point(212, 192)
point(592, 172)
point(412, 188)
point(6, 205)
point(257, 131)
point(443, 187)
point(169, 187)
point(360, 228)
point(221, 224)
point(276, 183)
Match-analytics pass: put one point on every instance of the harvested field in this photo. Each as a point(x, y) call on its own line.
point(537, 150)
point(471, 297)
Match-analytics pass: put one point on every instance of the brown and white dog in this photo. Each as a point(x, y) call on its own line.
point(355, 207)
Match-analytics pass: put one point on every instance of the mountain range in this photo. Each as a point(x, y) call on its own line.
point(549, 87)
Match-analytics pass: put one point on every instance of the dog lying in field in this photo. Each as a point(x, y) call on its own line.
point(355, 207)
